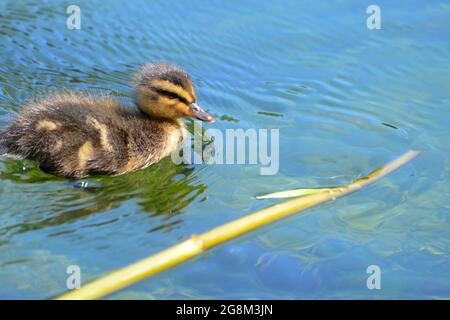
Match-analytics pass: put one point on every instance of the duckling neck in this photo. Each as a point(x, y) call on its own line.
point(174, 132)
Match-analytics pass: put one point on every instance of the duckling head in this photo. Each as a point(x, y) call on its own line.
point(166, 91)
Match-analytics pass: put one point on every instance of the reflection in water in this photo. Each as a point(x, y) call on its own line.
point(163, 189)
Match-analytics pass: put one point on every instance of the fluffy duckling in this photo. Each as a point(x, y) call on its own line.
point(74, 135)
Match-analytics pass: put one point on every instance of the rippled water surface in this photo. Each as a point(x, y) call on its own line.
point(346, 100)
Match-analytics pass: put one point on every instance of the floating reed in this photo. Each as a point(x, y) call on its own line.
point(197, 244)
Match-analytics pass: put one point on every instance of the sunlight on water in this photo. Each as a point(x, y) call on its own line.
point(346, 100)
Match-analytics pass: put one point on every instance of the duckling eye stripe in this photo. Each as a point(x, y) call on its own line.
point(171, 95)
point(173, 88)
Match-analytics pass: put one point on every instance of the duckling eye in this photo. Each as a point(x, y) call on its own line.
point(171, 95)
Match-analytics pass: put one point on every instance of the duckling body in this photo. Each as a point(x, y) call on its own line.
point(74, 135)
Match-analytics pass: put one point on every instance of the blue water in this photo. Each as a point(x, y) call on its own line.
point(346, 100)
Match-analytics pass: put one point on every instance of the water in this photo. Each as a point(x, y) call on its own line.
point(346, 100)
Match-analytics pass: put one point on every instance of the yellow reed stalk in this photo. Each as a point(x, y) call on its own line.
point(196, 244)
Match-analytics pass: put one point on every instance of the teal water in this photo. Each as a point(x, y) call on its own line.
point(346, 100)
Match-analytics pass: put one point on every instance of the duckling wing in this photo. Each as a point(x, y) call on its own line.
point(69, 135)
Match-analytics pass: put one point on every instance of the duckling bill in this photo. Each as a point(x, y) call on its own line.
point(74, 135)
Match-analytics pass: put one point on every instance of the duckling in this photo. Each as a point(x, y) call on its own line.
point(75, 135)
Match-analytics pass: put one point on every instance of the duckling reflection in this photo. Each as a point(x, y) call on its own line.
point(164, 189)
point(74, 136)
